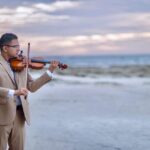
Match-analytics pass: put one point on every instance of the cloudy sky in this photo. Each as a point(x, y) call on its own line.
point(79, 27)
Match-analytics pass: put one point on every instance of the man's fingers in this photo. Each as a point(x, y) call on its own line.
point(21, 91)
point(24, 91)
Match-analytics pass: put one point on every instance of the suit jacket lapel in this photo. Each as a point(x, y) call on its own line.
point(21, 79)
point(3, 62)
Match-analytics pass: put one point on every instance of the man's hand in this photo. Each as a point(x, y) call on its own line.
point(54, 64)
point(21, 91)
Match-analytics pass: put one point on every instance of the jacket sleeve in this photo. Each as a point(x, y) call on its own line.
point(3, 95)
point(34, 85)
point(4, 92)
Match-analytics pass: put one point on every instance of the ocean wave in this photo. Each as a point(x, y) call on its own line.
point(102, 80)
point(115, 75)
point(112, 71)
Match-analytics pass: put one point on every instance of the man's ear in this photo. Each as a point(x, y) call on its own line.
point(4, 49)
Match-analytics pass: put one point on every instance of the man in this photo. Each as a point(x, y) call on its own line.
point(14, 105)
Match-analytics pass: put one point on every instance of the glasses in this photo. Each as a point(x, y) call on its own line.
point(13, 46)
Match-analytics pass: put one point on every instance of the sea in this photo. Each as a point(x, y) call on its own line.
point(103, 60)
point(101, 69)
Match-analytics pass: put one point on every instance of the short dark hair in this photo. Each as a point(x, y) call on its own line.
point(6, 39)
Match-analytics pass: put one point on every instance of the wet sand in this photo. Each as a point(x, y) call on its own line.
point(90, 117)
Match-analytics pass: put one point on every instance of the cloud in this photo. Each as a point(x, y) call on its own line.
point(57, 6)
point(83, 44)
point(23, 15)
point(88, 26)
point(138, 19)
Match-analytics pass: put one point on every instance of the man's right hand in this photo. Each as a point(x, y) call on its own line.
point(21, 91)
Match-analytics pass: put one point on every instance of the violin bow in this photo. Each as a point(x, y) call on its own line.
point(28, 52)
point(27, 66)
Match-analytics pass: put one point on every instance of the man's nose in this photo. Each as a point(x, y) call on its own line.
point(18, 51)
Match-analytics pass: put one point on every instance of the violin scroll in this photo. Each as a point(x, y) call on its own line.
point(62, 66)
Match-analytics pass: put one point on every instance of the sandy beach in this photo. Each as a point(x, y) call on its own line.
point(73, 113)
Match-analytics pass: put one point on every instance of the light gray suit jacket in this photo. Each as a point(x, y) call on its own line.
point(8, 104)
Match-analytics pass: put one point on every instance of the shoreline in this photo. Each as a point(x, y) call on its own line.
point(112, 71)
point(115, 75)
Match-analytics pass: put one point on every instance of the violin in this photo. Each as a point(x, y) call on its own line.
point(19, 63)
